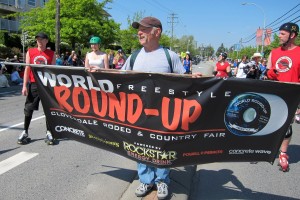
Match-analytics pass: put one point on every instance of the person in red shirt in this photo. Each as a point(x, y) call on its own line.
point(284, 65)
point(222, 68)
point(39, 55)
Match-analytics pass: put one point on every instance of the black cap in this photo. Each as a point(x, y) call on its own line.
point(42, 35)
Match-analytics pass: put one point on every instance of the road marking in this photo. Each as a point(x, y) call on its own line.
point(6, 92)
point(12, 126)
point(15, 160)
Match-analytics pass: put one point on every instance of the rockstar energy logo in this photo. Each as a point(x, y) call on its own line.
point(150, 155)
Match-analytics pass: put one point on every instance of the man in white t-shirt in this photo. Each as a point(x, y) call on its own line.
point(240, 69)
point(152, 58)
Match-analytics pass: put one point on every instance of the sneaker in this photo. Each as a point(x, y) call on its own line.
point(297, 118)
point(284, 162)
point(22, 137)
point(143, 189)
point(49, 138)
point(162, 190)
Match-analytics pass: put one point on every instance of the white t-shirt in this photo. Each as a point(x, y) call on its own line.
point(99, 62)
point(155, 61)
point(240, 71)
point(15, 76)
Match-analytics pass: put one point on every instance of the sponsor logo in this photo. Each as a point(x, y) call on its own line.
point(203, 153)
point(70, 130)
point(111, 143)
point(150, 155)
point(249, 151)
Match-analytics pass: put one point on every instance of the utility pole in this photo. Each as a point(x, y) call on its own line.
point(57, 27)
point(173, 17)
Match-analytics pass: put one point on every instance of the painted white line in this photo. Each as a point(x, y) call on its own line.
point(15, 160)
point(6, 92)
point(12, 126)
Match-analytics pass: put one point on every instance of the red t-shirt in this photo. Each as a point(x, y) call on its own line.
point(221, 69)
point(287, 64)
point(39, 57)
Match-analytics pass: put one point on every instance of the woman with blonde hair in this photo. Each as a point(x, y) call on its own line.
point(96, 59)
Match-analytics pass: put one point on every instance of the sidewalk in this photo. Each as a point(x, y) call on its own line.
point(179, 188)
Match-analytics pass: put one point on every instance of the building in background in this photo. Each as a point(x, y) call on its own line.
point(13, 6)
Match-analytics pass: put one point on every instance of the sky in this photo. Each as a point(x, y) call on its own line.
point(211, 22)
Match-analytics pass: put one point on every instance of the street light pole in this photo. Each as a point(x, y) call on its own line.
point(187, 46)
point(264, 24)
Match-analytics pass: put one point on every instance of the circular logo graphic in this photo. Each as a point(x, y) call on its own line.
point(255, 114)
point(283, 64)
point(247, 114)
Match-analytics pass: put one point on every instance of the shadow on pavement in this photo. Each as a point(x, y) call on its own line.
point(293, 153)
point(119, 173)
point(8, 150)
point(212, 185)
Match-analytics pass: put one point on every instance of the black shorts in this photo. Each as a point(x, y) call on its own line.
point(32, 100)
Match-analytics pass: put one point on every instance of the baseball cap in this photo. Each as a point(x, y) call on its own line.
point(148, 22)
point(42, 35)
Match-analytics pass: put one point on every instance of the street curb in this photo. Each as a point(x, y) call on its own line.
point(179, 188)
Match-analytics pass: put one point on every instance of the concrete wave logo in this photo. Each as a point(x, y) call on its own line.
point(70, 130)
point(255, 114)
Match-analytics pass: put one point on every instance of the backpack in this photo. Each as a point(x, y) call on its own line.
point(135, 53)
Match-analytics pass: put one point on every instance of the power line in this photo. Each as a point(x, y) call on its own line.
point(283, 15)
point(253, 36)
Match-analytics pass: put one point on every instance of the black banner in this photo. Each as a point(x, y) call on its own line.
point(168, 120)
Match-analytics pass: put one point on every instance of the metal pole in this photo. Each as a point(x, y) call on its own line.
point(264, 23)
point(57, 28)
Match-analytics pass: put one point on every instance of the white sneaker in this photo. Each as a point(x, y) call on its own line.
point(22, 137)
point(143, 189)
point(162, 190)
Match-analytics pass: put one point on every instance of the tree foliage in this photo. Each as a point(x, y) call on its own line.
point(79, 20)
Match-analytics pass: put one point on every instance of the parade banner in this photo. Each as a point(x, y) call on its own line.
point(259, 33)
point(267, 39)
point(168, 120)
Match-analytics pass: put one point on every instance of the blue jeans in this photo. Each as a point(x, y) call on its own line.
point(153, 175)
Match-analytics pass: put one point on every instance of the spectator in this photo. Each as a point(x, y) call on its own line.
point(58, 60)
point(3, 78)
point(15, 76)
point(252, 68)
point(70, 58)
point(119, 59)
point(240, 73)
point(187, 63)
point(111, 56)
point(263, 70)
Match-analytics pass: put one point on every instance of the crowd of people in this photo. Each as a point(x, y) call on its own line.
point(163, 60)
point(283, 64)
point(253, 68)
point(11, 74)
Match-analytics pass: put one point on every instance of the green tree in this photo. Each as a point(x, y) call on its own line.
point(80, 19)
point(221, 49)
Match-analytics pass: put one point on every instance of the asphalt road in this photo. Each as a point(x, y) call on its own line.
point(69, 170)
point(244, 180)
